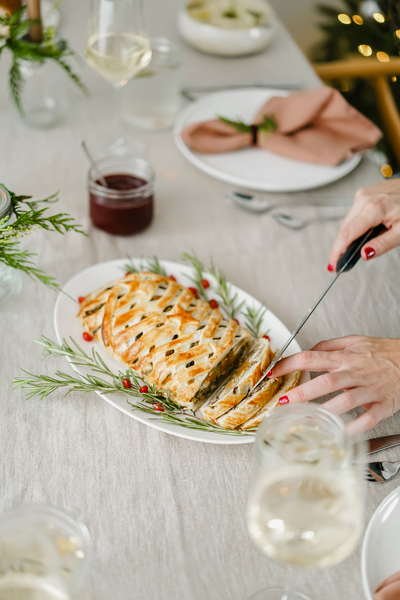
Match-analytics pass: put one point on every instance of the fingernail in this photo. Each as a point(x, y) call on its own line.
point(369, 253)
point(269, 374)
point(330, 267)
point(284, 400)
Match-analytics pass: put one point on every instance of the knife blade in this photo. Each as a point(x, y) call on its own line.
point(346, 262)
point(382, 443)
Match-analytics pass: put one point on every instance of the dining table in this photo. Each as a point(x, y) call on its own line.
point(167, 514)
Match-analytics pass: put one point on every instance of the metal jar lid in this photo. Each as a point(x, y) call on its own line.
point(6, 207)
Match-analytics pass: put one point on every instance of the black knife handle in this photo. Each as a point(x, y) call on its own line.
point(363, 239)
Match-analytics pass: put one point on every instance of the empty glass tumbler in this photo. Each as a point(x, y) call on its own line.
point(151, 100)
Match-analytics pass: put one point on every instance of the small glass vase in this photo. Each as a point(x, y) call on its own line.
point(44, 96)
point(10, 284)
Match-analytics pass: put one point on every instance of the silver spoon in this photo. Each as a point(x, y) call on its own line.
point(90, 158)
point(256, 204)
point(293, 223)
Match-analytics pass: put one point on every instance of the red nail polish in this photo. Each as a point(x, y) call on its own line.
point(284, 400)
point(369, 253)
point(269, 374)
point(330, 267)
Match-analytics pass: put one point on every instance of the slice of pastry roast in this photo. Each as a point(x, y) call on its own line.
point(289, 382)
point(241, 382)
point(159, 329)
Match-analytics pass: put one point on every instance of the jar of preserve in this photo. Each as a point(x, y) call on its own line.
point(126, 205)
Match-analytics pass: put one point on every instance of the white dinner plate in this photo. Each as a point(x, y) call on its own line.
point(67, 324)
point(252, 168)
point(380, 555)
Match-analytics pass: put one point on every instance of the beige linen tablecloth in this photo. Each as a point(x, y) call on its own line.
point(166, 514)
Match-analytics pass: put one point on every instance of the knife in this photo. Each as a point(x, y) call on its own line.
point(346, 262)
point(382, 443)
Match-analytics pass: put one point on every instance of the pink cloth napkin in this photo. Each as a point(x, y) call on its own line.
point(316, 126)
point(389, 589)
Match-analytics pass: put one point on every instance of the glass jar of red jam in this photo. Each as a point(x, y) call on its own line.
point(126, 205)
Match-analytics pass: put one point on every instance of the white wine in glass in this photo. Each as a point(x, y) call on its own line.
point(118, 48)
point(305, 505)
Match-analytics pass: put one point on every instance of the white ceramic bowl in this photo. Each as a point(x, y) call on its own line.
point(225, 42)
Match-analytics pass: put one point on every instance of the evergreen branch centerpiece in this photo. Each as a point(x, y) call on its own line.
point(31, 216)
point(25, 42)
point(139, 393)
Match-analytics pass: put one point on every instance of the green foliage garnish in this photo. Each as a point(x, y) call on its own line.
point(151, 264)
point(22, 49)
point(43, 386)
point(268, 125)
point(30, 217)
point(254, 318)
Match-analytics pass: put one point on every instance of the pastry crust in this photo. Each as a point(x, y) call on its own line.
point(250, 404)
point(237, 388)
point(160, 330)
point(289, 382)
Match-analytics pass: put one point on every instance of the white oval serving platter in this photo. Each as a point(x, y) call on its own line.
point(68, 325)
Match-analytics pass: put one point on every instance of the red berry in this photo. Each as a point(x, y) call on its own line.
point(213, 304)
point(81, 299)
point(205, 283)
point(128, 273)
point(144, 389)
point(126, 383)
point(194, 291)
point(172, 277)
point(266, 337)
point(158, 407)
point(87, 337)
point(236, 321)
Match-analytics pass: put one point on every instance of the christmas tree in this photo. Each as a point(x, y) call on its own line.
point(363, 28)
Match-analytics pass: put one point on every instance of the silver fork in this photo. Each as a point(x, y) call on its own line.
point(381, 471)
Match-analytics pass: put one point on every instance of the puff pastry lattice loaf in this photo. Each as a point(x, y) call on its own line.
point(159, 329)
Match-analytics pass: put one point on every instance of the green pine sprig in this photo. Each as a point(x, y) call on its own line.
point(22, 49)
point(31, 216)
point(101, 379)
point(198, 273)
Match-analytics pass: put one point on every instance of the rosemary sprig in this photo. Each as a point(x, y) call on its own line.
point(269, 124)
point(151, 264)
point(227, 299)
point(198, 276)
point(22, 49)
point(30, 216)
point(156, 402)
point(254, 318)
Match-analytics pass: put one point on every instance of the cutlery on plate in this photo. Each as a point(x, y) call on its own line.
point(382, 443)
point(294, 223)
point(259, 205)
point(379, 472)
point(189, 92)
point(346, 262)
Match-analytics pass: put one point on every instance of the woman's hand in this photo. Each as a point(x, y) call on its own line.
point(372, 206)
point(366, 369)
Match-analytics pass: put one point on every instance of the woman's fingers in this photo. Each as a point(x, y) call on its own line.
point(369, 216)
point(306, 361)
point(374, 413)
point(349, 399)
point(381, 244)
point(336, 344)
point(320, 386)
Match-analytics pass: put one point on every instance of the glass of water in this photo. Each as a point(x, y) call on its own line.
point(305, 505)
point(152, 98)
point(45, 554)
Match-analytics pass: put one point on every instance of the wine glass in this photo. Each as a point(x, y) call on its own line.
point(118, 48)
point(305, 504)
